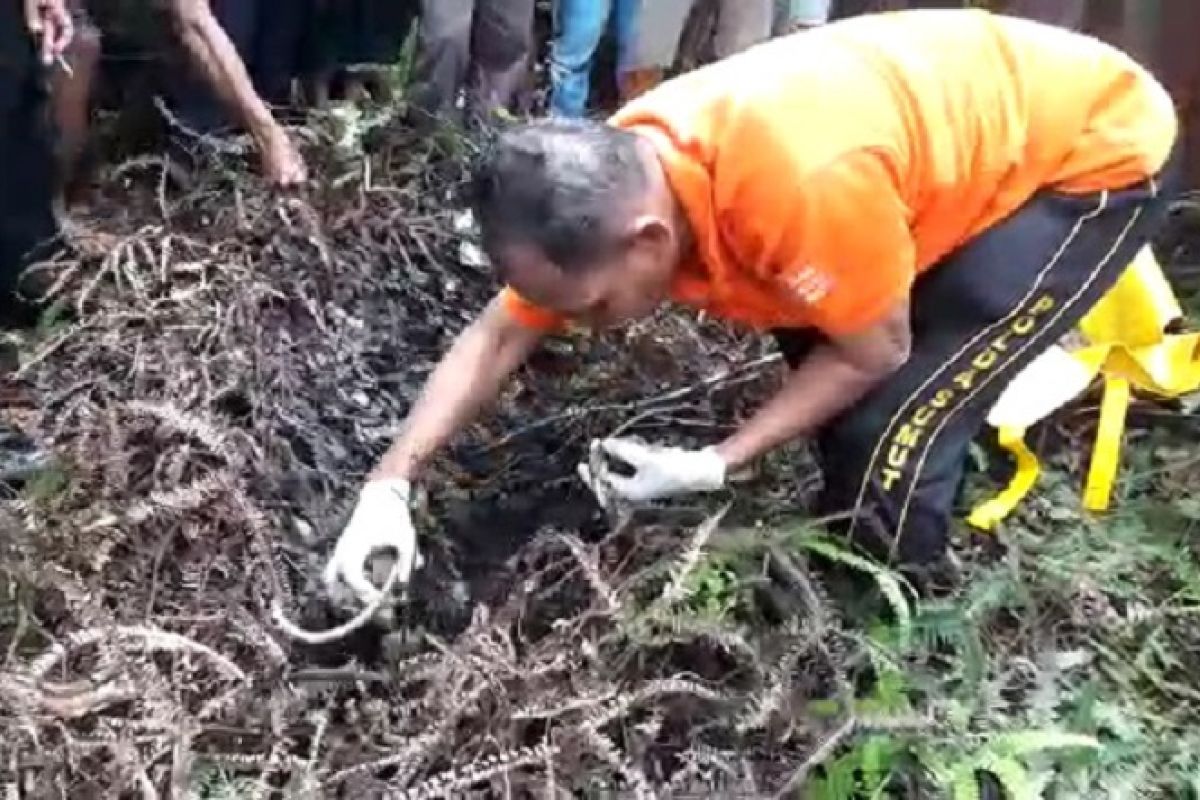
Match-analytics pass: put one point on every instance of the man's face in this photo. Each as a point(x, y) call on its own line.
point(627, 285)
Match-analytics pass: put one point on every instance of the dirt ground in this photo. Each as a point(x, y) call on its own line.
point(216, 373)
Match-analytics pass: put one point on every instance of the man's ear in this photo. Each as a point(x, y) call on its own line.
point(651, 231)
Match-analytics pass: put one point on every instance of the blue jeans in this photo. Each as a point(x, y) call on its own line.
point(578, 27)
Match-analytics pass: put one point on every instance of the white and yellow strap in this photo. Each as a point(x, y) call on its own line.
point(1128, 347)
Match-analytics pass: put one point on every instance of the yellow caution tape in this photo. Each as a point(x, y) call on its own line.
point(1107, 451)
point(1129, 347)
point(988, 514)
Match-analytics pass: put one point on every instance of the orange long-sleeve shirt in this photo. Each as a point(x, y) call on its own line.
point(822, 172)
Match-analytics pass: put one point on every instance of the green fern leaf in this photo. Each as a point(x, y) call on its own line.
point(878, 756)
point(1013, 777)
point(839, 782)
point(889, 696)
point(887, 582)
point(965, 786)
point(1026, 743)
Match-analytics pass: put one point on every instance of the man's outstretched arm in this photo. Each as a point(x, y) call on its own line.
point(215, 55)
point(834, 377)
point(470, 376)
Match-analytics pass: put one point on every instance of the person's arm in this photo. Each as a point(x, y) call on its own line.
point(469, 377)
point(831, 379)
point(215, 55)
point(836, 243)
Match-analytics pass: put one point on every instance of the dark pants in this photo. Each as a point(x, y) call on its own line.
point(354, 32)
point(26, 158)
point(484, 45)
point(978, 317)
point(269, 36)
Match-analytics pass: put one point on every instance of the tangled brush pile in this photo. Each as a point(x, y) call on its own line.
point(214, 385)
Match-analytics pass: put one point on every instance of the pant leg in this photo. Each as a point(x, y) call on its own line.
point(445, 55)
point(625, 16)
point(578, 28)
point(791, 15)
point(26, 153)
point(896, 459)
point(658, 32)
point(501, 46)
point(278, 37)
point(742, 24)
point(196, 104)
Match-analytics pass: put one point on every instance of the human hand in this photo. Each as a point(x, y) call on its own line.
point(381, 521)
point(282, 164)
point(658, 471)
point(50, 24)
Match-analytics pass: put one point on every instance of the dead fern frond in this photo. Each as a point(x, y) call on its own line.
point(419, 667)
point(424, 748)
point(620, 705)
point(254, 761)
point(405, 760)
point(262, 544)
point(189, 424)
point(129, 635)
point(676, 588)
point(608, 752)
point(762, 705)
point(455, 780)
point(172, 502)
point(558, 708)
point(254, 634)
point(701, 766)
point(587, 562)
point(662, 630)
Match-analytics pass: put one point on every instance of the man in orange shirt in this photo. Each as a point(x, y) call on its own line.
point(915, 204)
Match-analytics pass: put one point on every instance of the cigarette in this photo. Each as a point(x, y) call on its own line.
point(64, 66)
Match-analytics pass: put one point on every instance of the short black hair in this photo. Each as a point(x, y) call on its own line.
point(560, 185)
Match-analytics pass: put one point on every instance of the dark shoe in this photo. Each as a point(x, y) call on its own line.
point(937, 578)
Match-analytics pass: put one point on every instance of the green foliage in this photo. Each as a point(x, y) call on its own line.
point(213, 783)
point(46, 485)
point(1061, 668)
point(889, 585)
point(711, 589)
point(1002, 758)
point(51, 320)
point(863, 772)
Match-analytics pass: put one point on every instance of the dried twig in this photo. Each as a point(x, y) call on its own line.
point(818, 757)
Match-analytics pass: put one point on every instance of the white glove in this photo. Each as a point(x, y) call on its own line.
point(658, 471)
point(381, 521)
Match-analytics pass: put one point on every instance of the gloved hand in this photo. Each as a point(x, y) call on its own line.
point(381, 521)
point(658, 471)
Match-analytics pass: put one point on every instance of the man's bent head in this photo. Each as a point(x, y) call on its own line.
point(579, 219)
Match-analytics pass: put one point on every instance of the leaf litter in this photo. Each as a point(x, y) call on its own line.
point(215, 381)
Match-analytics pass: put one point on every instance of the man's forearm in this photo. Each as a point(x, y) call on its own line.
point(469, 377)
point(820, 388)
point(213, 52)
